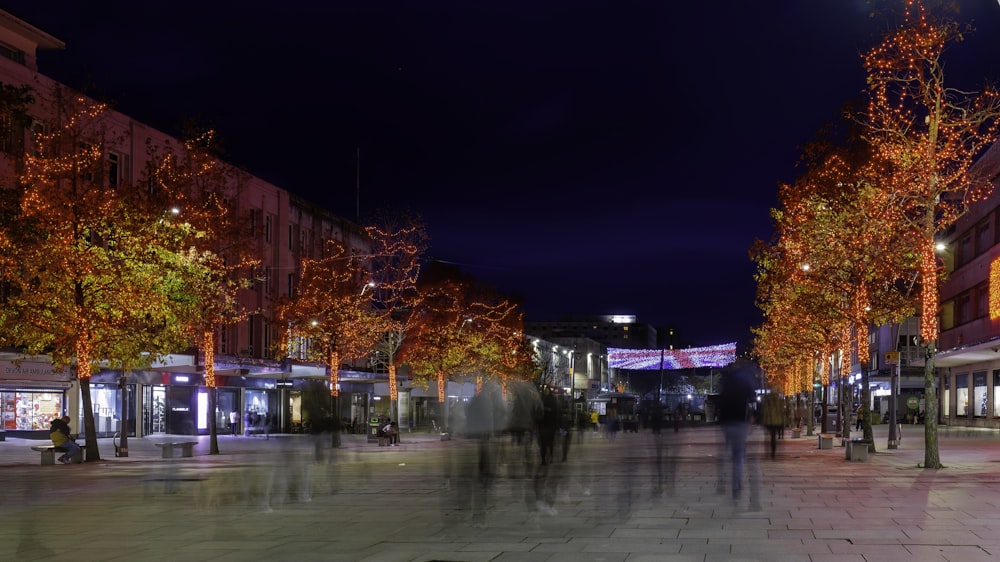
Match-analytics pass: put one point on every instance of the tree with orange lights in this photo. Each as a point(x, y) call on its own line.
point(329, 318)
point(398, 245)
point(461, 329)
point(832, 271)
point(927, 136)
point(438, 346)
point(83, 259)
point(213, 256)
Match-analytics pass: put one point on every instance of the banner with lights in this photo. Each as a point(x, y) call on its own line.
point(655, 359)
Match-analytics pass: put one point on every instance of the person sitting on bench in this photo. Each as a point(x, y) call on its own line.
point(60, 436)
point(391, 433)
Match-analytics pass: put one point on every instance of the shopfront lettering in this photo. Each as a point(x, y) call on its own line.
point(32, 371)
point(180, 409)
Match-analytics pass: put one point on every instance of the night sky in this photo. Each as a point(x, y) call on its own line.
point(589, 157)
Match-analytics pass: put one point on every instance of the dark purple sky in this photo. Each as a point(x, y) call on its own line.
point(592, 157)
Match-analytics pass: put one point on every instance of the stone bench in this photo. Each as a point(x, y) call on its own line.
point(186, 448)
point(49, 454)
point(826, 440)
point(857, 450)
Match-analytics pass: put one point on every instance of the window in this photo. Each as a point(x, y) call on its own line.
point(266, 348)
point(963, 251)
point(948, 315)
point(996, 392)
point(984, 240)
point(963, 308)
point(267, 280)
point(37, 128)
point(12, 53)
point(117, 169)
point(982, 303)
point(979, 393)
point(251, 333)
point(946, 397)
point(267, 228)
point(11, 135)
point(962, 395)
point(290, 230)
point(291, 285)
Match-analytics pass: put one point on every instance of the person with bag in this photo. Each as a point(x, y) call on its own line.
point(61, 438)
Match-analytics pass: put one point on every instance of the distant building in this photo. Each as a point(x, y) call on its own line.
point(611, 331)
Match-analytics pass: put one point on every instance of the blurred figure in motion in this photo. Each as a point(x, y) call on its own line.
point(735, 414)
point(473, 462)
point(773, 418)
point(611, 421)
point(548, 424)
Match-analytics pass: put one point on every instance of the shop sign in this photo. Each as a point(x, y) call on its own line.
point(33, 371)
point(912, 402)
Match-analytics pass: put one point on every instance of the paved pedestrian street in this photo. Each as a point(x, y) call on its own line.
point(638, 498)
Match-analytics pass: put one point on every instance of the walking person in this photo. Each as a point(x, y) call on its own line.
point(234, 423)
point(773, 418)
point(548, 425)
point(735, 414)
point(611, 420)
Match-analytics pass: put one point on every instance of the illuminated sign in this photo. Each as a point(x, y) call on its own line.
point(655, 359)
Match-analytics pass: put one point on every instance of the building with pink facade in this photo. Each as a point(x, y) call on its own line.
point(170, 396)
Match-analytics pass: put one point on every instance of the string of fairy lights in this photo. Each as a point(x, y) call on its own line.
point(856, 234)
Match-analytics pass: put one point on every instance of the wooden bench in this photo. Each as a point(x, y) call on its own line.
point(168, 447)
point(826, 440)
point(49, 454)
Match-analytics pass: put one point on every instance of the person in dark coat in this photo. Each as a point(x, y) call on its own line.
point(736, 400)
point(548, 424)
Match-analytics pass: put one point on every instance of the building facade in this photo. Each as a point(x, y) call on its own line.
point(171, 396)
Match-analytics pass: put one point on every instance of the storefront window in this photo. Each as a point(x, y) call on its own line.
point(28, 410)
point(996, 392)
point(962, 395)
point(106, 400)
point(256, 402)
point(979, 393)
point(946, 398)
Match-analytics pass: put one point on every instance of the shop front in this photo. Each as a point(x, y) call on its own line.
point(31, 396)
point(178, 404)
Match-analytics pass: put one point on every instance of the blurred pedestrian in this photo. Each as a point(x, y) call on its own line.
point(773, 418)
point(735, 410)
point(234, 423)
point(548, 424)
point(656, 418)
point(611, 421)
